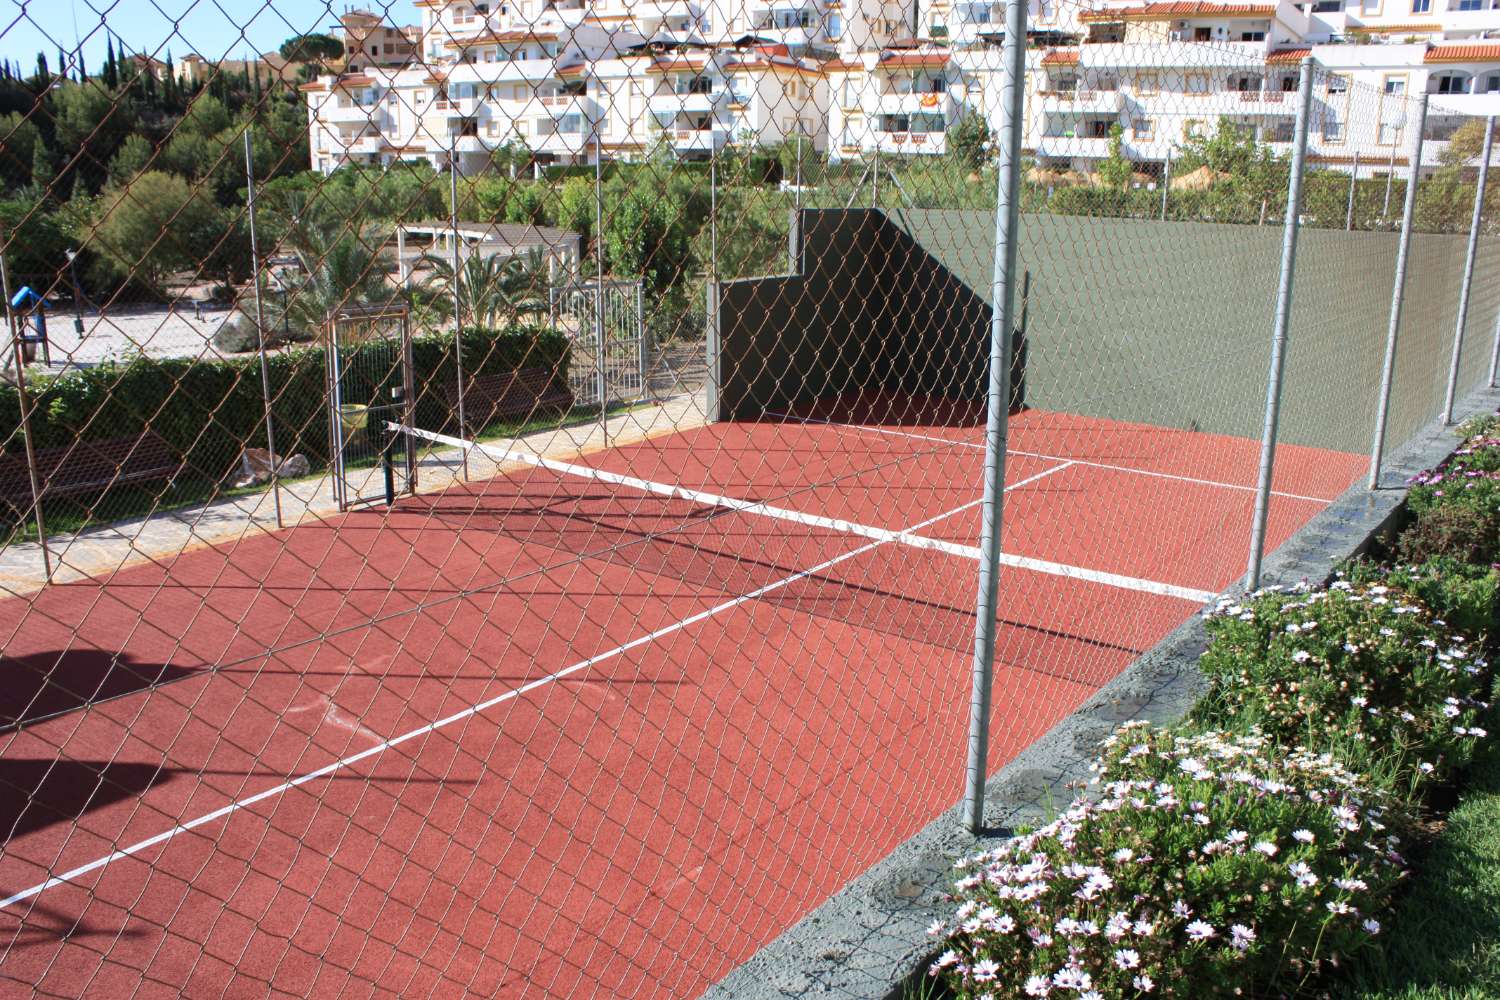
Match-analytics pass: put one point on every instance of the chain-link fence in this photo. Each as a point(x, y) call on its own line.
point(513, 504)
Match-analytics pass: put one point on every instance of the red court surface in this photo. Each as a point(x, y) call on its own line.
point(547, 735)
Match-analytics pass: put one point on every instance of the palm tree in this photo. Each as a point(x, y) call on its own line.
point(496, 291)
point(339, 269)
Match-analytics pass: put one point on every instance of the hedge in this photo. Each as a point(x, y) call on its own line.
point(209, 410)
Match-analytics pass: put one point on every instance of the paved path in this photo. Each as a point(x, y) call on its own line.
point(107, 548)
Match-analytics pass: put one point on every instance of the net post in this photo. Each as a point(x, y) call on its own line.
point(599, 282)
point(1398, 290)
point(1353, 182)
point(1468, 282)
point(1390, 177)
point(260, 329)
point(1003, 287)
point(23, 398)
point(711, 351)
point(1291, 225)
point(458, 305)
point(1166, 184)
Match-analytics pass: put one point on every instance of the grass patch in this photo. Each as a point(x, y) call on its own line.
point(1444, 937)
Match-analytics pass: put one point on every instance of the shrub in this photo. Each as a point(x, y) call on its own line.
point(1483, 425)
point(1461, 595)
point(1364, 672)
point(1210, 865)
point(1470, 479)
point(1456, 532)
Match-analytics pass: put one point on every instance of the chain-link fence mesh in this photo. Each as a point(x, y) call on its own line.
point(495, 506)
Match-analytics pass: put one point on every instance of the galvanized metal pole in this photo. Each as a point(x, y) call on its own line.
point(260, 330)
point(1166, 184)
point(25, 404)
point(796, 226)
point(1353, 181)
point(875, 177)
point(1002, 322)
point(599, 285)
point(458, 303)
point(1468, 283)
point(1390, 177)
point(1398, 290)
point(1290, 228)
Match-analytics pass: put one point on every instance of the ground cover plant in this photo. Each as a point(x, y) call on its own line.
point(1204, 865)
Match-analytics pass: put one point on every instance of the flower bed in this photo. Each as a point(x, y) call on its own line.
point(1250, 850)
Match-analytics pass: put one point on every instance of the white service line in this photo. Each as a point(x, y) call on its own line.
point(459, 716)
point(907, 537)
point(868, 429)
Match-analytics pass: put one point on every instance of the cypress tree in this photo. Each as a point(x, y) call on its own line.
point(62, 63)
point(41, 168)
point(111, 68)
point(42, 73)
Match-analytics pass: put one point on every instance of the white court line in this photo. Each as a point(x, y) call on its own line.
point(818, 521)
point(431, 727)
point(866, 428)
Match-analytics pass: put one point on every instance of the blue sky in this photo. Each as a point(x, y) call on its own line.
point(212, 28)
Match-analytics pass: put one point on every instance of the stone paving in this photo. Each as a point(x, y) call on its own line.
point(160, 537)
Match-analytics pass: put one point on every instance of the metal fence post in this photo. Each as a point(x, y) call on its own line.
point(599, 284)
point(1353, 183)
point(260, 329)
point(1290, 228)
point(1468, 282)
point(1002, 321)
point(1398, 289)
point(25, 406)
point(458, 302)
point(1390, 178)
point(1166, 183)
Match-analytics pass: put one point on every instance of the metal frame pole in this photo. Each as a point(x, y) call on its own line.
point(1390, 177)
point(25, 403)
point(1290, 228)
point(1353, 181)
point(1166, 184)
point(260, 329)
point(1398, 290)
point(599, 289)
point(1463, 293)
point(997, 429)
point(458, 301)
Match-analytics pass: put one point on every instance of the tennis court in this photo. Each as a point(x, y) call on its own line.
point(603, 725)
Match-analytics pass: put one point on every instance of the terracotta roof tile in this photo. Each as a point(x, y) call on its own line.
point(1463, 53)
point(1179, 8)
point(1288, 56)
point(1060, 57)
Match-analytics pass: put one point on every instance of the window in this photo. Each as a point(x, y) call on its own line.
point(1192, 129)
point(1289, 84)
point(1147, 84)
point(1395, 85)
point(1196, 83)
point(1328, 6)
point(1337, 85)
point(833, 26)
point(1333, 129)
point(1489, 84)
point(1470, 5)
point(1421, 6)
point(1203, 34)
point(1452, 83)
point(1144, 129)
point(1390, 134)
point(1252, 36)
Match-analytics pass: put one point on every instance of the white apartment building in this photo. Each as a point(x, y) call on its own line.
point(569, 84)
point(1167, 72)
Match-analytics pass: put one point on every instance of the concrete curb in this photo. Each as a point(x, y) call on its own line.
point(866, 940)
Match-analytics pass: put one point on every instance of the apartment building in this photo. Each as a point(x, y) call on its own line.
point(569, 83)
point(370, 41)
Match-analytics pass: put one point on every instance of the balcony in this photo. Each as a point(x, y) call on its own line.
point(1107, 102)
point(672, 103)
point(351, 114)
point(364, 144)
point(1198, 56)
point(566, 104)
point(910, 143)
point(914, 104)
point(1478, 105)
point(467, 107)
point(1265, 102)
point(689, 140)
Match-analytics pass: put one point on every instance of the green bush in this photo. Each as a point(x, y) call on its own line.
point(1462, 533)
point(1363, 672)
point(1484, 425)
point(1463, 596)
point(209, 410)
point(1207, 865)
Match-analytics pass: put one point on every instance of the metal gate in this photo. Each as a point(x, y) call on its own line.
point(610, 352)
point(370, 386)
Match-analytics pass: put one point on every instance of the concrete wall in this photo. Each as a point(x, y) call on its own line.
point(1169, 323)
